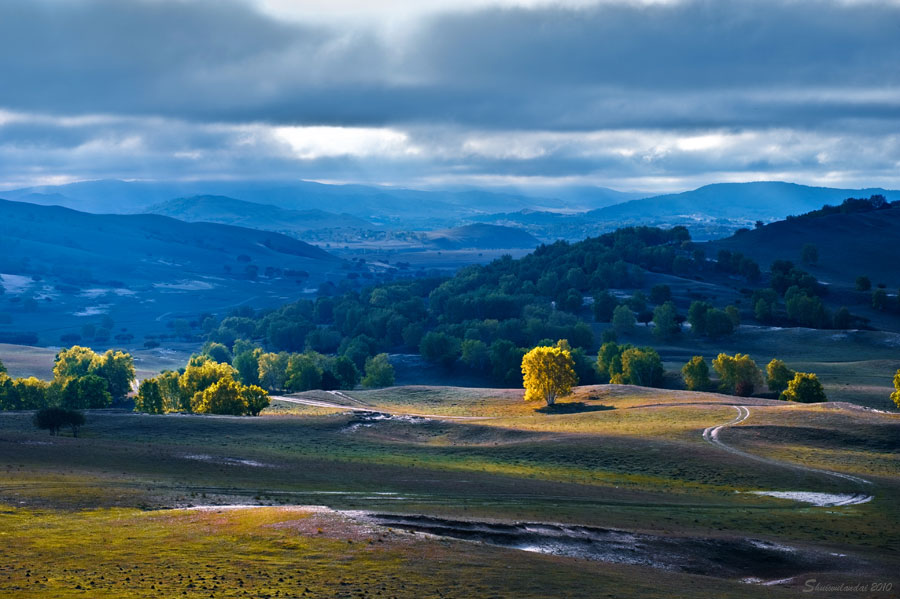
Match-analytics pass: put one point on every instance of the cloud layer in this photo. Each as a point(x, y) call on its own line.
point(637, 94)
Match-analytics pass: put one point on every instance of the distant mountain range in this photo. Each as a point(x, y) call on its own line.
point(407, 207)
point(712, 211)
point(229, 211)
point(766, 200)
point(574, 212)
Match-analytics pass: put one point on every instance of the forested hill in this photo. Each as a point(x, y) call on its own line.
point(484, 316)
point(848, 243)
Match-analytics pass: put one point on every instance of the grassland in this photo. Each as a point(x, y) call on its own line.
point(107, 512)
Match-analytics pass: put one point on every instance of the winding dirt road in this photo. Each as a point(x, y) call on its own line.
point(711, 435)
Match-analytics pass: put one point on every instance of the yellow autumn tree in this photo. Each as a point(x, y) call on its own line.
point(549, 372)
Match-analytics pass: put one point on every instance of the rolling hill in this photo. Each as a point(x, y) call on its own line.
point(229, 211)
point(63, 269)
point(849, 245)
point(483, 236)
point(136, 246)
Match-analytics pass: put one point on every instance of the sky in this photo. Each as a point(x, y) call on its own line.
point(648, 95)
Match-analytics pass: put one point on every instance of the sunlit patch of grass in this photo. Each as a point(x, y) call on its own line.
point(274, 552)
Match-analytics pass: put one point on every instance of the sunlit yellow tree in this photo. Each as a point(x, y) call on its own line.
point(896, 394)
point(548, 373)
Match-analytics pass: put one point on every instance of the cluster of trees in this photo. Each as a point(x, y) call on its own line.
point(850, 206)
point(629, 365)
point(739, 375)
point(709, 321)
point(82, 379)
point(203, 387)
point(217, 382)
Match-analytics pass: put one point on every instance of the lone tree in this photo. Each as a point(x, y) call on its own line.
point(804, 388)
point(696, 374)
point(549, 372)
point(895, 396)
point(53, 419)
point(778, 375)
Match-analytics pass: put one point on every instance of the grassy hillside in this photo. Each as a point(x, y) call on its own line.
point(623, 463)
point(63, 269)
point(483, 236)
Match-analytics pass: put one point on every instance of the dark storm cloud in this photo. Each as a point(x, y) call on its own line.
point(689, 64)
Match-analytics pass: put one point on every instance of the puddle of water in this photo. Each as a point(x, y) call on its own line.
point(748, 559)
point(231, 461)
point(369, 419)
point(819, 499)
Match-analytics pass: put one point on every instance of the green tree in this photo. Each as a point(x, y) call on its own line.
point(149, 397)
point(863, 283)
point(879, 300)
point(222, 397)
point(73, 363)
point(623, 320)
point(778, 375)
point(762, 310)
point(640, 366)
point(603, 307)
point(696, 374)
point(440, 348)
point(665, 324)
point(718, 323)
point(2, 367)
point(175, 399)
point(346, 372)
point(303, 374)
point(32, 393)
point(86, 392)
point(739, 374)
point(475, 354)
point(548, 372)
point(843, 319)
point(379, 372)
point(804, 388)
point(273, 370)
point(9, 396)
point(697, 316)
point(117, 368)
point(217, 352)
point(198, 378)
point(246, 364)
point(255, 398)
point(55, 418)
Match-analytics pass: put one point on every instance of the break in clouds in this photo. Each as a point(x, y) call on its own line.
point(636, 95)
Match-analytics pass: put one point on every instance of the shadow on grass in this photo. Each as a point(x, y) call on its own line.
point(574, 407)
